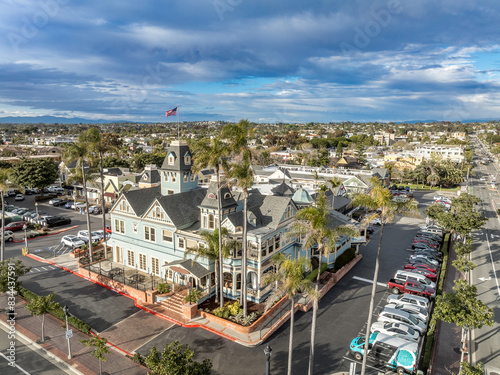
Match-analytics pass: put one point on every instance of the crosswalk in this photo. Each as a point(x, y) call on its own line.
point(43, 269)
point(58, 249)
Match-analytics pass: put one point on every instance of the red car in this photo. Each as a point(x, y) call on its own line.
point(421, 266)
point(430, 275)
point(429, 243)
point(16, 225)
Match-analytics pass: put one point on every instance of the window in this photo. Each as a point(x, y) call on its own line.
point(170, 192)
point(205, 221)
point(166, 235)
point(119, 226)
point(149, 234)
point(123, 206)
point(270, 246)
point(171, 159)
point(130, 258)
point(118, 255)
point(158, 213)
point(288, 212)
point(165, 177)
point(173, 177)
point(277, 241)
point(264, 248)
point(182, 243)
point(155, 266)
point(211, 221)
point(187, 159)
point(142, 262)
point(186, 176)
point(135, 227)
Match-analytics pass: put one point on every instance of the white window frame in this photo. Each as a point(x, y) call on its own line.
point(119, 226)
point(155, 266)
point(135, 227)
point(130, 254)
point(179, 239)
point(149, 233)
point(143, 262)
point(118, 254)
point(163, 235)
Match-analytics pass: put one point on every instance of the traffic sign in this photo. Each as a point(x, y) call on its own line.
point(69, 334)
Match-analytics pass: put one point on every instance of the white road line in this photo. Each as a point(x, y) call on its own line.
point(15, 364)
point(43, 268)
point(493, 266)
point(368, 280)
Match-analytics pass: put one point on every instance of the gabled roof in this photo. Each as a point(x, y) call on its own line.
point(183, 208)
point(210, 200)
point(187, 266)
point(140, 199)
point(283, 190)
point(280, 174)
point(268, 209)
point(152, 176)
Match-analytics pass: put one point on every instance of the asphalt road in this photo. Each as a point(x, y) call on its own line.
point(486, 255)
point(27, 360)
point(342, 316)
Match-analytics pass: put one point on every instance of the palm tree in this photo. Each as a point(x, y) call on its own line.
point(312, 225)
point(238, 135)
point(380, 198)
point(334, 182)
point(102, 144)
point(289, 277)
point(211, 252)
point(3, 189)
point(81, 151)
point(213, 153)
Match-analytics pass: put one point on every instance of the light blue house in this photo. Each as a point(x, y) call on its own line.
point(153, 227)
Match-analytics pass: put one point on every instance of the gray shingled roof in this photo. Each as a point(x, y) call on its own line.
point(141, 199)
point(193, 267)
point(283, 190)
point(268, 209)
point(212, 202)
point(153, 176)
point(183, 208)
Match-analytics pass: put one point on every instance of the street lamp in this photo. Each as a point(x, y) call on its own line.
point(25, 227)
point(69, 333)
point(36, 209)
point(267, 351)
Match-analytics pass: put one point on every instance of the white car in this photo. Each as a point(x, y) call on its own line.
point(439, 197)
point(409, 299)
point(395, 329)
point(72, 241)
point(482, 179)
point(84, 236)
point(19, 197)
point(8, 235)
point(78, 205)
point(422, 316)
point(100, 233)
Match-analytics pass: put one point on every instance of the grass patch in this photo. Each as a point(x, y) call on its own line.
point(58, 312)
point(429, 340)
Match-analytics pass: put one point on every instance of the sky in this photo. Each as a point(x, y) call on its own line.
point(266, 61)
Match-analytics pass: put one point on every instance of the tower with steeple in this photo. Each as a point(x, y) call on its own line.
point(176, 174)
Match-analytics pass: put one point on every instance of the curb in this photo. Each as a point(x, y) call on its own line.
point(48, 234)
point(28, 342)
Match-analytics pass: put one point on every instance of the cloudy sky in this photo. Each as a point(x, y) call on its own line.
point(267, 61)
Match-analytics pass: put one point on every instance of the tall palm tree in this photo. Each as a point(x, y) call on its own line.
point(289, 278)
point(213, 153)
point(380, 198)
point(238, 136)
point(102, 144)
point(313, 226)
point(4, 173)
point(211, 252)
point(81, 151)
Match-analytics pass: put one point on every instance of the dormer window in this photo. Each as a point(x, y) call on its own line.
point(171, 159)
point(227, 196)
point(212, 196)
point(144, 176)
point(187, 159)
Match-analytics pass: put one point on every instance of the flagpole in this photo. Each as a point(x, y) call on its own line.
point(178, 130)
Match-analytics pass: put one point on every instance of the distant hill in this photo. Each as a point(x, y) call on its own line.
point(52, 120)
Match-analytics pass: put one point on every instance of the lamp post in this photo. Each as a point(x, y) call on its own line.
point(25, 227)
point(267, 351)
point(69, 333)
point(36, 209)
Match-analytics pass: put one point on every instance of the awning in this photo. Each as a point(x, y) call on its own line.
point(187, 267)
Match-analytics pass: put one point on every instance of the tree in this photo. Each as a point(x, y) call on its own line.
point(211, 252)
point(176, 359)
point(143, 159)
point(111, 161)
point(100, 349)
point(238, 136)
point(313, 227)
point(41, 305)
point(468, 369)
point(35, 173)
point(380, 198)
point(81, 152)
point(3, 189)
point(288, 275)
point(462, 307)
point(10, 272)
point(213, 153)
point(433, 179)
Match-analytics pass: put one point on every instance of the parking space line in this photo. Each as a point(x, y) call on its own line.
point(368, 280)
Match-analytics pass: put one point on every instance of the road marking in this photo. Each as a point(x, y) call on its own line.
point(15, 364)
point(493, 266)
point(368, 280)
point(484, 278)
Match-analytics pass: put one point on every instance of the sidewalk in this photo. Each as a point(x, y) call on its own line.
point(447, 339)
point(55, 332)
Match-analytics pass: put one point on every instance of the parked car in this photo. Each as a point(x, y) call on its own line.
point(424, 267)
point(72, 241)
point(78, 205)
point(422, 245)
point(8, 235)
point(423, 316)
point(395, 329)
point(100, 233)
point(421, 261)
point(69, 204)
point(56, 221)
point(426, 258)
point(397, 316)
point(96, 210)
point(84, 236)
point(19, 197)
point(56, 202)
point(370, 229)
point(14, 226)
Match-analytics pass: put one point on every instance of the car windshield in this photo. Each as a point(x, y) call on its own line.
point(411, 331)
point(412, 319)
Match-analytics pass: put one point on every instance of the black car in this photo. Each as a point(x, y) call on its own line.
point(59, 202)
point(55, 221)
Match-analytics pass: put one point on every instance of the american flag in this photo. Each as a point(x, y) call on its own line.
point(172, 112)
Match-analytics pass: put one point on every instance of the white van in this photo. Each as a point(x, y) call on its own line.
point(432, 229)
point(404, 276)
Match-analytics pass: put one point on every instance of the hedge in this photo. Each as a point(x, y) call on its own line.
point(58, 312)
point(345, 258)
point(314, 274)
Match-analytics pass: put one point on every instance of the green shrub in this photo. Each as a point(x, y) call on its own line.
point(314, 273)
point(138, 358)
point(234, 308)
point(219, 312)
point(345, 258)
point(163, 288)
point(193, 296)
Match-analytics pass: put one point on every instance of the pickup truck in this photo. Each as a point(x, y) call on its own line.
point(411, 287)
